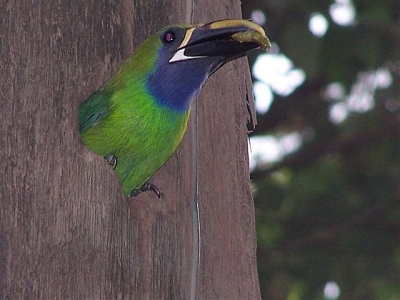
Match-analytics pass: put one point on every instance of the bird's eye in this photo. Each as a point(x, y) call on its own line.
point(169, 37)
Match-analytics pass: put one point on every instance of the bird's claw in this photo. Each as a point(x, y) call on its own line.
point(146, 187)
point(111, 159)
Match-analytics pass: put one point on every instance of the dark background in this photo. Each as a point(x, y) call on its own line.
point(330, 210)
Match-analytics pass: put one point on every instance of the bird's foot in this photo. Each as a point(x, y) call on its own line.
point(146, 187)
point(111, 159)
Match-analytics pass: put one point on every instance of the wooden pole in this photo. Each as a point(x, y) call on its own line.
point(66, 230)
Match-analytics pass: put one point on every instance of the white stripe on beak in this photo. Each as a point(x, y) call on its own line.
point(180, 55)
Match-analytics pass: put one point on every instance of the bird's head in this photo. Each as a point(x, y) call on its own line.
point(185, 55)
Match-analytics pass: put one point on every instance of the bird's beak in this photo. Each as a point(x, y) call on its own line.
point(224, 39)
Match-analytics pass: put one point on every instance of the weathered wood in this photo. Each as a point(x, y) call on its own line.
point(228, 254)
point(66, 231)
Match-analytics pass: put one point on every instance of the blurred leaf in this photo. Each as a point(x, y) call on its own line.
point(331, 210)
point(302, 47)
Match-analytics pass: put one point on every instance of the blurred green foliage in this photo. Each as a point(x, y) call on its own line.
point(330, 211)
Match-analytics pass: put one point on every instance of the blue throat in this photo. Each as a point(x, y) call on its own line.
point(173, 85)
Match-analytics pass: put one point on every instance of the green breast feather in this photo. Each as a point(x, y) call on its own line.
point(131, 126)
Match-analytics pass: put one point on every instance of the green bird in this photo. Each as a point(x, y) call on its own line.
point(137, 119)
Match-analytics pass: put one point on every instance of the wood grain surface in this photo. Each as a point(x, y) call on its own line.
point(66, 230)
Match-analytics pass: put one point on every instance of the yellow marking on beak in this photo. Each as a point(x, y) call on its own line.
point(237, 23)
point(187, 37)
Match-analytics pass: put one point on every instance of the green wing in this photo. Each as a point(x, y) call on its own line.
point(94, 109)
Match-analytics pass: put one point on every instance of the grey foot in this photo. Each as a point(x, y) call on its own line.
point(111, 159)
point(146, 187)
